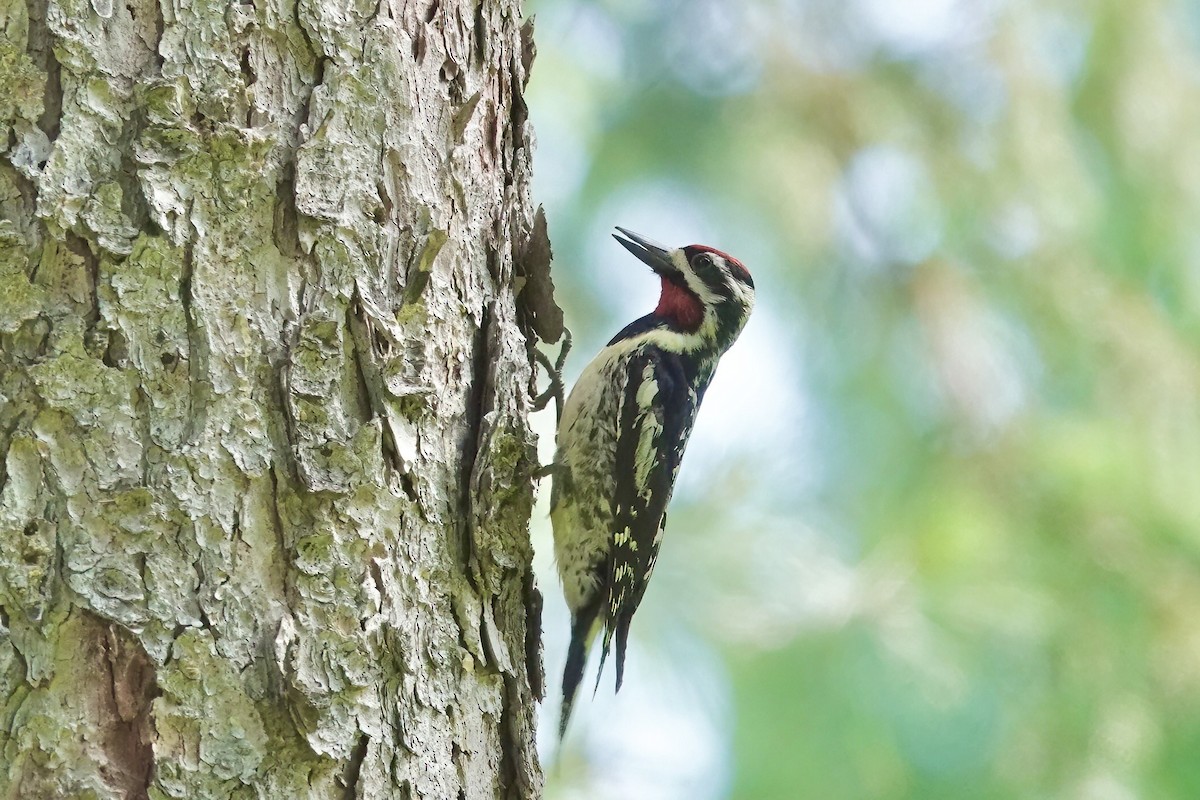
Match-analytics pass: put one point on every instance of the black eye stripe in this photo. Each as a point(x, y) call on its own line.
point(736, 269)
point(740, 273)
point(720, 273)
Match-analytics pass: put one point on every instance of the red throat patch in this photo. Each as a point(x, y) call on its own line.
point(680, 306)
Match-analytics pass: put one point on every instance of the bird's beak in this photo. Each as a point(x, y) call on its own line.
point(657, 257)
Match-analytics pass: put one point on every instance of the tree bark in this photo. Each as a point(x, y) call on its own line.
point(269, 282)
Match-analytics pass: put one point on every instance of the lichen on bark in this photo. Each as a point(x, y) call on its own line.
point(269, 279)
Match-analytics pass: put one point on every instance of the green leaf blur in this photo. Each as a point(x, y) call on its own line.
point(941, 536)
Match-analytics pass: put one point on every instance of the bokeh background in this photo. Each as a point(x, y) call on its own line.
point(938, 531)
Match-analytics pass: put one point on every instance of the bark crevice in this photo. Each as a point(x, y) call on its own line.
point(354, 767)
point(478, 404)
point(123, 707)
point(197, 354)
point(41, 52)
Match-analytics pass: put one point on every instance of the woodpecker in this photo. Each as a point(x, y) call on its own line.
point(621, 438)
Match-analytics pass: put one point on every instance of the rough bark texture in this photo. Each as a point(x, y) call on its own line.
point(268, 274)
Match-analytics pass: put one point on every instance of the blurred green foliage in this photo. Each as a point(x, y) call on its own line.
point(953, 550)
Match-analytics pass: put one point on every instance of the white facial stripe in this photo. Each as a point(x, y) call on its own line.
point(745, 294)
point(738, 283)
point(698, 287)
point(742, 291)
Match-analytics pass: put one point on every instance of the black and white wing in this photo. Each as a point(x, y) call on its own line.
point(657, 411)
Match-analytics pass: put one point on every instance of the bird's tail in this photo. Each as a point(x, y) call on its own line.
point(583, 631)
point(622, 641)
point(622, 633)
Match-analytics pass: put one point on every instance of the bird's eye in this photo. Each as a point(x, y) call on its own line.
point(703, 260)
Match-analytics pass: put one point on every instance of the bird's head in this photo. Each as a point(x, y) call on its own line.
point(706, 293)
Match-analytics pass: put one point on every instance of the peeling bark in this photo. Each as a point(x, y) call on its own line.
point(269, 281)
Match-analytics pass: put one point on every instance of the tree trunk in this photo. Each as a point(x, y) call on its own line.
point(269, 275)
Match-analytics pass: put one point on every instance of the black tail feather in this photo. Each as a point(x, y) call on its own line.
point(604, 648)
point(622, 641)
point(581, 633)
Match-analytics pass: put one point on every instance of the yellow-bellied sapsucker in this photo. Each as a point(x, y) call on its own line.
point(622, 436)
